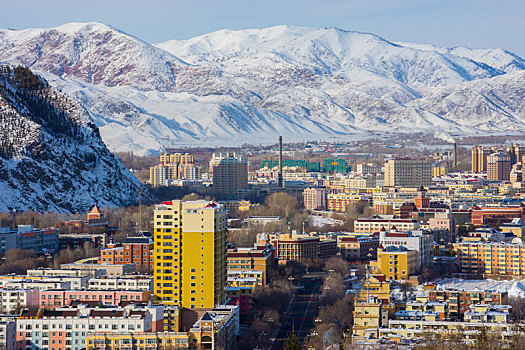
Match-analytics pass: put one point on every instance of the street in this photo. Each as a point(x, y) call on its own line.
point(303, 310)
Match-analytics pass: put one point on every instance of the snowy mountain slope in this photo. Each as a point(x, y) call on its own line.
point(497, 58)
point(249, 86)
point(329, 51)
point(51, 155)
point(91, 52)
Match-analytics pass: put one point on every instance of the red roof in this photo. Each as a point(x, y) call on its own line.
point(167, 203)
point(397, 234)
point(380, 278)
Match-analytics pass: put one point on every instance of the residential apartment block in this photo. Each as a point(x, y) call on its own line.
point(315, 198)
point(230, 173)
point(67, 328)
point(190, 253)
point(407, 172)
point(134, 250)
point(494, 258)
point(259, 258)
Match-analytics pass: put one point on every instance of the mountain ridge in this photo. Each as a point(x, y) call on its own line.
point(230, 87)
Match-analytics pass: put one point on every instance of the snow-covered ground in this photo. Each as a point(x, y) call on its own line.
point(514, 288)
point(320, 221)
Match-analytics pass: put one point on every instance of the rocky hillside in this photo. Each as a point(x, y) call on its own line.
point(51, 155)
point(247, 86)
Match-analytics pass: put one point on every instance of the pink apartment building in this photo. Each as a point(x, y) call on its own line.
point(56, 298)
point(314, 198)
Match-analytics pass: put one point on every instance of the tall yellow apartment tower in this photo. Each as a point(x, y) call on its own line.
point(190, 253)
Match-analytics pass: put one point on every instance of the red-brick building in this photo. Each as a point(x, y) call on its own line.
point(460, 300)
point(485, 216)
point(137, 250)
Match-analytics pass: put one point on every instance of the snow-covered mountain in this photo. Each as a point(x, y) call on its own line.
point(51, 155)
point(248, 86)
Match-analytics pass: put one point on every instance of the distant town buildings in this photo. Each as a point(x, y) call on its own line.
point(230, 173)
point(175, 166)
point(408, 172)
point(498, 166)
point(479, 159)
point(27, 237)
point(314, 198)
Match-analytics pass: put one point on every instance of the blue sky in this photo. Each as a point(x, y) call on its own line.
point(472, 23)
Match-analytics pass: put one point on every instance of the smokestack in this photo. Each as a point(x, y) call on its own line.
point(280, 178)
point(455, 156)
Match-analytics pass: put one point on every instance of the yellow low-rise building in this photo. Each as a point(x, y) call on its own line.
point(376, 287)
point(395, 263)
point(368, 315)
point(171, 318)
point(246, 278)
point(439, 170)
point(409, 330)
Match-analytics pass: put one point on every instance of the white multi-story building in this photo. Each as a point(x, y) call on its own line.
point(33, 284)
point(66, 272)
point(368, 168)
point(13, 299)
point(418, 240)
point(134, 283)
point(388, 222)
point(360, 182)
point(44, 282)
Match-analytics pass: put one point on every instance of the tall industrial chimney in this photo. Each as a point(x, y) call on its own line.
point(455, 156)
point(280, 182)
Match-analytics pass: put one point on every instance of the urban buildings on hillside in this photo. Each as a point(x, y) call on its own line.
point(230, 173)
point(190, 254)
point(408, 172)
